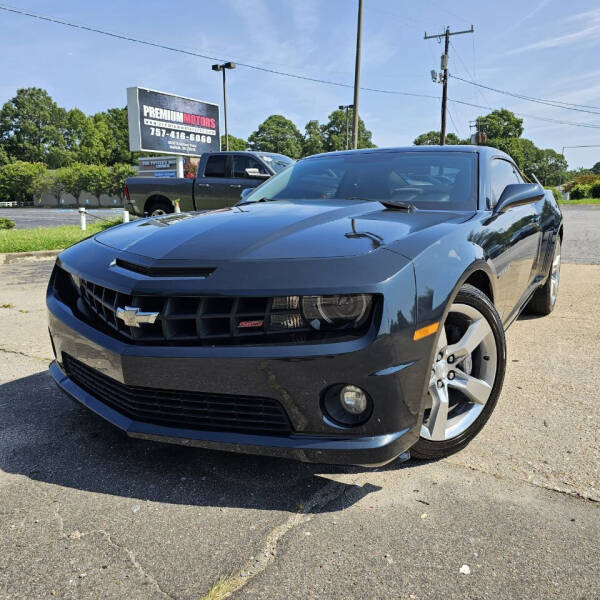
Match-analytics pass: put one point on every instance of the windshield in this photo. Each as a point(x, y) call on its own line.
point(277, 162)
point(429, 180)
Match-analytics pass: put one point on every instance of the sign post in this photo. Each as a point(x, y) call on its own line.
point(179, 167)
point(169, 124)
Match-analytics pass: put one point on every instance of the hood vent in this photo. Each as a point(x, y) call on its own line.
point(160, 271)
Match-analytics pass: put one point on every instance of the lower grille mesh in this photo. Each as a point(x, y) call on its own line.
point(189, 410)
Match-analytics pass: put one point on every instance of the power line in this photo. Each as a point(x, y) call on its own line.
point(469, 73)
point(547, 119)
point(554, 103)
point(205, 56)
point(453, 122)
point(274, 71)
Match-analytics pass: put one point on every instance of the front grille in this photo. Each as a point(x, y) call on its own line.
point(183, 320)
point(188, 410)
point(194, 320)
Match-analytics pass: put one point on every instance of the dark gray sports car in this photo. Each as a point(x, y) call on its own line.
point(348, 310)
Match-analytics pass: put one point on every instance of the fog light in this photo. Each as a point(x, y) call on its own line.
point(346, 405)
point(353, 399)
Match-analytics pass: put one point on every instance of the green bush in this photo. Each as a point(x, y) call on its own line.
point(557, 195)
point(118, 173)
point(49, 182)
point(579, 192)
point(6, 223)
point(588, 179)
point(16, 180)
point(97, 180)
point(595, 190)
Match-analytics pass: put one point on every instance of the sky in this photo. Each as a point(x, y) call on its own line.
point(541, 48)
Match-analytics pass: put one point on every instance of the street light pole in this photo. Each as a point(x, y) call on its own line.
point(345, 108)
point(223, 68)
point(357, 77)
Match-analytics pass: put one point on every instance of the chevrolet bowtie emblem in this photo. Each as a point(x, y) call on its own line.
point(134, 317)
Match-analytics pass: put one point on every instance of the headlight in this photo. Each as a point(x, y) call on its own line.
point(336, 312)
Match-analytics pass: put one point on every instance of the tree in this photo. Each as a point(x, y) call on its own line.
point(117, 136)
point(75, 180)
point(596, 168)
point(31, 125)
point(235, 143)
point(277, 134)
point(96, 180)
point(49, 183)
point(87, 138)
point(551, 167)
point(117, 175)
point(313, 142)
point(4, 158)
point(500, 124)
point(334, 132)
point(16, 180)
point(432, 138)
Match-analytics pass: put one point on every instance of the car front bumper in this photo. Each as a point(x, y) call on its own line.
point(333, 449)
point(297, 381)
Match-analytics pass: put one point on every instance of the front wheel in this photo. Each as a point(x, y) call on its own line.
point(466, 377)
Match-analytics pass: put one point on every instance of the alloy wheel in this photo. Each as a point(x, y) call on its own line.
point(462, 375)
point(555, 274)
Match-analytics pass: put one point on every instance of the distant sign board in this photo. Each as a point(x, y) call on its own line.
point(160, 122)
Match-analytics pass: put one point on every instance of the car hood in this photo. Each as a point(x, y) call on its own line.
point(282, 229)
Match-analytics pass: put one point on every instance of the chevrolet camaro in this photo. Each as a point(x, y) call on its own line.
point(349, 310)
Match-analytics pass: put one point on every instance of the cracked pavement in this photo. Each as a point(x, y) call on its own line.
point(86, 512)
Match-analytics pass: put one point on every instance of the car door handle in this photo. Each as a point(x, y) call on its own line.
point(204, 185)
point(233, 185)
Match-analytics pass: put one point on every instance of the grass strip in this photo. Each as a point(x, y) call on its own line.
point(49, 238)
point(583, 201)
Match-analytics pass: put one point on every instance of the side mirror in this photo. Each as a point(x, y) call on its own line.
point(518, 194)
point(245, 192)
point(254, 173)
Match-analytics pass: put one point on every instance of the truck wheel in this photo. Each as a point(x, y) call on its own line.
point(160, 206)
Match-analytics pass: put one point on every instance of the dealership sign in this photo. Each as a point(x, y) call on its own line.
point(160, 122)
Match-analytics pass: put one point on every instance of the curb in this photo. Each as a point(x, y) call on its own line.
point(13, 257)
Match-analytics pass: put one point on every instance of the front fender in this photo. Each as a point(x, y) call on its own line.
point(441, 270)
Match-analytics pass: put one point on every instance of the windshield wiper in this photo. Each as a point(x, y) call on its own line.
point(397, 204)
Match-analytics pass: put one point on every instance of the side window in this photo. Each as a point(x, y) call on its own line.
point(502, 174)
point(215, 166)
point(242, 162)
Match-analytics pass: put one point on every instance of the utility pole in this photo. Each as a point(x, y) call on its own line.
point(345, 109)
point(223, 68)
point(357, 77)
point(444, 74)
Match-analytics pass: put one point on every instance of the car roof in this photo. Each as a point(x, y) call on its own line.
point(483, 150)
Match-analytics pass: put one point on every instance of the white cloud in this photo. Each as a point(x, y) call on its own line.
point(590, 31)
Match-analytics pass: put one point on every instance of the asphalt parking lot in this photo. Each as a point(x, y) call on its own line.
point(88, 513)
point(25, 218)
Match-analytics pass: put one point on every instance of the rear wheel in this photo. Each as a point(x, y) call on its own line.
point(159, 206)
point(544, 299)
point(466, 377)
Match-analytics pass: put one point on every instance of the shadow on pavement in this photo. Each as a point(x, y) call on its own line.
point(47, 437)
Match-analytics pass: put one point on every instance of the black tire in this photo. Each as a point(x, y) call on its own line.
point(543, 301)
point(426, 449)
point(159, 206)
